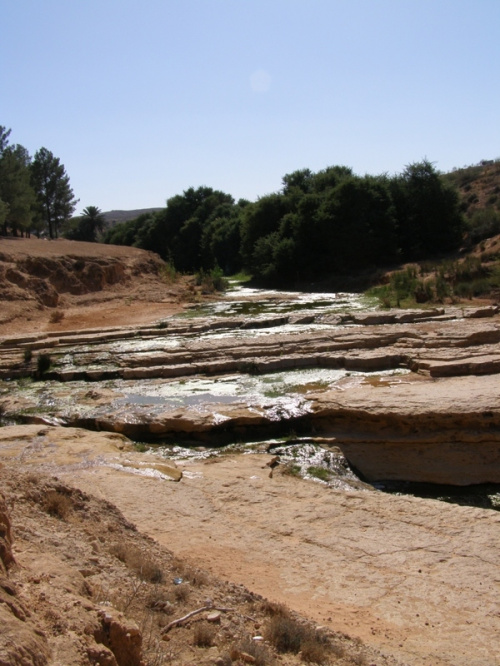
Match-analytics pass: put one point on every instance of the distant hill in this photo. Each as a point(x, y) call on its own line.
point(478, 184)
point(113, 217)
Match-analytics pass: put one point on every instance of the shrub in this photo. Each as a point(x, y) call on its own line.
point(43, 363)
point(204, 635)
point(314, 650)
point(168, 272)
point(56, 316)
point(57, 504)
point(285, 633)
point(181, 593)
point(212, 281)
point(289, 635)
point(291, 469)
point(28, 355)
point(423, 292)
point(259, 652)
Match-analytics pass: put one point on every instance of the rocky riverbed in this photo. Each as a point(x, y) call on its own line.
point(314, 405)
point(405, 395)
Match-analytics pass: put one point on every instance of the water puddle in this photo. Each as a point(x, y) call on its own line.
point(245, 301)
point(250, 389)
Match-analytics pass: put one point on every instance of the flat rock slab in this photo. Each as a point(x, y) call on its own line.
point(52, 449)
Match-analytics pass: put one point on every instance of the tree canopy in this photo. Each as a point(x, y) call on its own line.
point(319, 224)
point(332, 222)
point(55, 199)
point(87, 226)
point(17, 197)
point(35, 194)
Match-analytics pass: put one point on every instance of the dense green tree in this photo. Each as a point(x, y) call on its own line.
point(4, 138)
point(221, 238)
point(427, 211)
point(259, 220)
point(87, 226)
point(129, 233)
point(55, 199)
point(4, 209)
point(16, 192)
point(319, 224)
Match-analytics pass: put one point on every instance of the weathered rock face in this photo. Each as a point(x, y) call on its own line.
point(46, 278)
point(441, 431)
point(121, 636)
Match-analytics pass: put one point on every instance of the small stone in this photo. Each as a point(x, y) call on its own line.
point(214, 617)
point(247, 658)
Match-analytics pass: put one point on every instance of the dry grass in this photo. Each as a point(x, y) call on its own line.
point(56, 316)
point(144, 566)
point(260, 652)
point(203, 635)
point(181, 593)
point(286, 634)
point(57, 504)
point(195, 576)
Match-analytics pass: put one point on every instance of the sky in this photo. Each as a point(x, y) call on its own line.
point(142, 99)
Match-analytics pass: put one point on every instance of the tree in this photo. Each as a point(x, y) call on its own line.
point(55, 198)
point(428, 212)
point(87, 226)
point(17, 197)
point(4, 138)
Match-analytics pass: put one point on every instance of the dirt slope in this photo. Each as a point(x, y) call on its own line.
point(64, 285)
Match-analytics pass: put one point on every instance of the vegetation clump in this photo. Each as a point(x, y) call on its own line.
point(437, 282)
point(286, 634)
point(43, 363)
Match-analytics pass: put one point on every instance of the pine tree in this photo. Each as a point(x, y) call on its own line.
point(55, 199)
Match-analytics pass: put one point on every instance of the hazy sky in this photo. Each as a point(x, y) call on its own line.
point(141, 99)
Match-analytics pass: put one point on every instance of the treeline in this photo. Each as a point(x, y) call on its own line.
point(318, 225)
point(35, 193)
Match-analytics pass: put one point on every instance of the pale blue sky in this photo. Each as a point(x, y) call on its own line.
point(141, 99)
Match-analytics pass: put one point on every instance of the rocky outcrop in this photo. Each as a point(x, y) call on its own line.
point(445, 431)
point(439, 423)
point(121, 636)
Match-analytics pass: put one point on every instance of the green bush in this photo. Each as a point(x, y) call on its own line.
point(43, 363)
point(212, 280)
point(320, 473)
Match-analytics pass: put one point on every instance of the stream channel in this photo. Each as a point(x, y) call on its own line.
point(124, 374)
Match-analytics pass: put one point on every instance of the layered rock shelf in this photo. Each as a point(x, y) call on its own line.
point(416, 396)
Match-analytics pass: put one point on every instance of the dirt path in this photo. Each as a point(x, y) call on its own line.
point(417, 579)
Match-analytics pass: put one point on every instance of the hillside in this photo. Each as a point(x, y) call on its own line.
point(479, 185)
point(62, 284)
point(113, 217)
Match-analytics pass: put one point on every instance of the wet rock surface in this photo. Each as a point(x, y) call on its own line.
point(408, 395)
